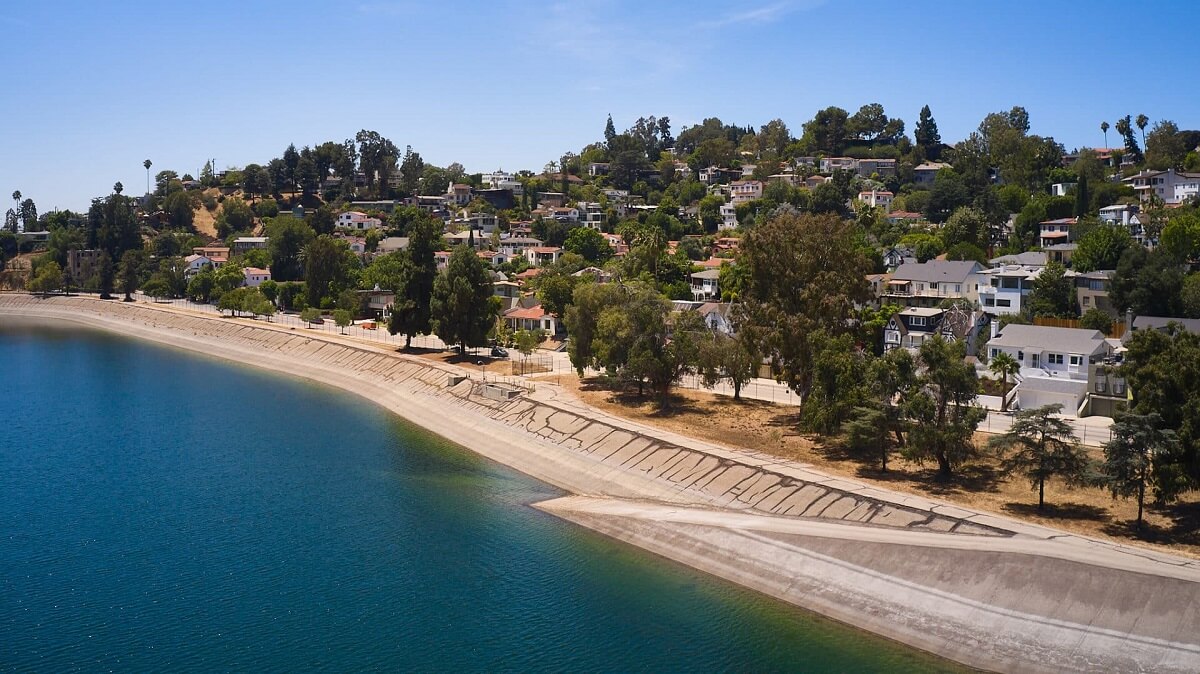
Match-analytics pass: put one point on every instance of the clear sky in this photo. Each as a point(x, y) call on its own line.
point(91, 89)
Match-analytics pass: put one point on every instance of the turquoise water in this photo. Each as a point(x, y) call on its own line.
point(162, 511)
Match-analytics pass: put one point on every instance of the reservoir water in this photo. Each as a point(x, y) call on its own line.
point(161, 511)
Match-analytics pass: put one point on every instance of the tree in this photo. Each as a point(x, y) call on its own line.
point(526, 342)
point(790, 293)
point(342, 318)
point(1101, 248)
point(291, 162)
point(237, 214)
point(410, 170)
point(610, 131)
point(582, 316)
point(555, 289)
point(1142, 121)
point(269, 289)
point(49, 277)
point(1104, 130)
point(926, 135)
point(1162, 370)
point(949, 193)
point(1040, 445)
point(310, 315)
point(1053, 293)
point(287, 237)
point(589, 244)
point(966, 225)
point(201, 286)
point(234, 301)
point(827, 131)
point(1125, 128)
point(1138, 442)
point(727, 358)
point(156, 287)
point(130, 275)
point(1189, 296)
point(1165, 146)
point(327, 268)
point(633, 339)
point(463, 306)
point(1004, 366)
point(942, 409)
point(1147, 283)
point(411, 310)
point(1180, 239)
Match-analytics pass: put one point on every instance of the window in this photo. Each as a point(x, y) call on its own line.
point(995, 352)
point(1087, 301)
point(917, 320)
point(1004, 303)
point(1054, 359)
point(1076, 361)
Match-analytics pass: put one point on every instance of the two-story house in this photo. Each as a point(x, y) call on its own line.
point(1055, 362)
point(1055, 231)
point(358, 221)
point(459, 194)
point(246, 243)
point(515, 246)
point(910, 328)
point(704, 285)
point(877, 199)
point(745, 190)
point(924, 174)
point(254, 276)
point(884, 168)
point(927, 284)
point(540, 256)
point(1171, 186)
point(1004, 289)
point(1091, 291)
point(831, 164)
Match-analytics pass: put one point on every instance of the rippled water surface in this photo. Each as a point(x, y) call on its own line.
point(162, 511)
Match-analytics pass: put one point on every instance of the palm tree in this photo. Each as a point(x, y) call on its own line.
point(147, 164)
point(1142, 121)
point(1005, 366)
point(1103, 129)
point(118, 187)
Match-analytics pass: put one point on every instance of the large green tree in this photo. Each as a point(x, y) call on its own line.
point(803, 273)
point(329, 268)
point(1053, 293)
point(1101, 248)
point(943, 411)
point(1138, 443)
point(1040, 445)
point(463, 306)
point(287, 237)
point(411, 309)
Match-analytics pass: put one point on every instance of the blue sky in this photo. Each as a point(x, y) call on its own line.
point(92, 89)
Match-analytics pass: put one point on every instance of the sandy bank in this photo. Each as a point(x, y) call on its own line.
point(981, 589)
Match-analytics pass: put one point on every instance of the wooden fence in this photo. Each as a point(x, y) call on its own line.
point(1118, 327)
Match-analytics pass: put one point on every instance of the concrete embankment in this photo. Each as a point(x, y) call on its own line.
point(981, 589)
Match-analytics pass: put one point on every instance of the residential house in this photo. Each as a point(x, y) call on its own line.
point(924, 174)
point(459, 194)
point(500, 198)
point(1055, 363)
point(528, 314)
point(1055, 231)
point(1091, 292)
point(883, 168)
point(217, 255)
point(565, 214)
point(591, 214)
point(391, 244)
point(597, 274)
point(709, 175)
point(384, 206)
point(509, 293)
point(1004, 289)
point(897, 255)
point(1033, 258)
point(1171, 186)
point(813, 181)
point(195, 264)
point(255, 276)
point(717, 315)
point(789, 178)
point(1062, 189)
point(705, 284)
point(480, 222)
point(618, 244)
point(911, 327)
point(358, 221)
point(492, 257)
point(552, 199)
point(1061, 253)
point(540, 256)
point(246, 243)
point(83, 264)
point(927, 284)
point(378, 302)
point(597, 168)
point(728, 216)
point(442, 259)
point(1162, 324)
point(831, 164)
point(877, 199)
point(515, 246)
point(468, 237)
point(745, 190)
point(748, 170)
point(896, 217)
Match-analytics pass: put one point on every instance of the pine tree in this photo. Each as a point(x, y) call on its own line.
point(463, 306)
point(926, 134)
point(1129, 458)
point(1040, 446)
point(610, 131)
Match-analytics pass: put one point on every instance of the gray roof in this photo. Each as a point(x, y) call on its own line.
point(937, 271)
point(1046, 338)
point(1161, 322)
point(1034, 258)
point(1063, 246)
point(708, 274)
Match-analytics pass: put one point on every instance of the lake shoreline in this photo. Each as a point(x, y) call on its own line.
point(982, 590)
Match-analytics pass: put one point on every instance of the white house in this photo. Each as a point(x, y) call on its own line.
point(1062, 189)
point(1171, 186)
point(745, 190)
point(195, 264)
point(357, 220)
point(459, 194)
point(540, 256)
point(591, 214)
point(728, 216)
point(831, 164)
point(704, 285)
point(517, 245)
point(1055, 231)
point(1004, 289)
point(884, 168)
point(877, 199)
point(1054, 363)
point(255, 276)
